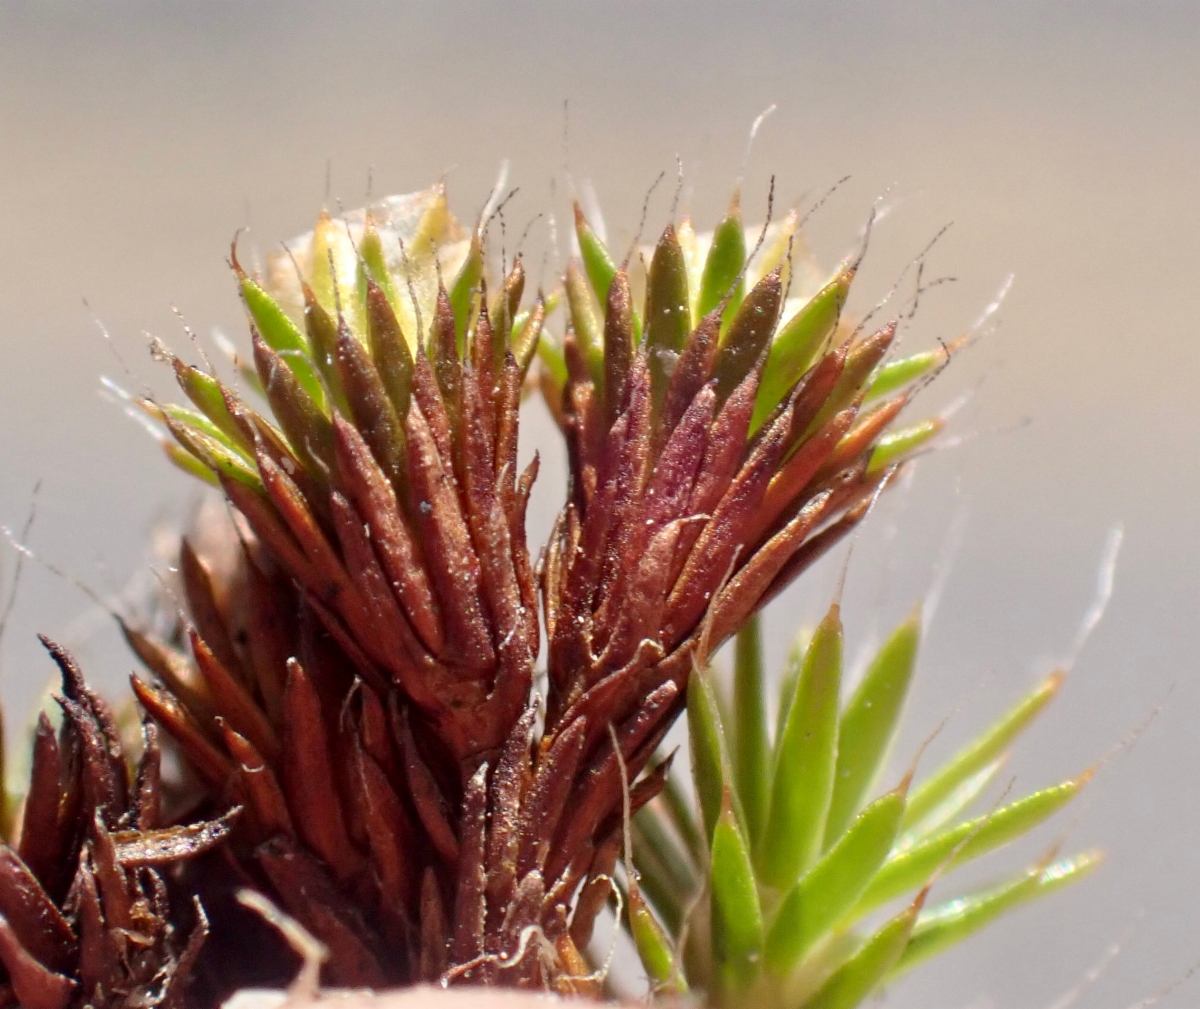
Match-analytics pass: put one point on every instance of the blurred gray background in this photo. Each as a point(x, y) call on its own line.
point(1062, 141)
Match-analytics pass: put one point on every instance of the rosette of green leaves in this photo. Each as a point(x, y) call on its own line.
point(792, 877)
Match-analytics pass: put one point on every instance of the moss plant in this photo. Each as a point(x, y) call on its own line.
point(777, 889)
point(363, 731)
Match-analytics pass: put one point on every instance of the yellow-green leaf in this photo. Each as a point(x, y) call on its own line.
point(982, 751)
point(736, 913)
point(907, 870)
point(831, 887)
point(943, 926)
point(805, 759)
point(798, 343)
point(862, 973)
point(868, 725)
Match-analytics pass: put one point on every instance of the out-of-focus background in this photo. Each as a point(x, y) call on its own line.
point(1061, 140)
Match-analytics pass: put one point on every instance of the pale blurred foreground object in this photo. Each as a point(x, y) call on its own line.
point(421, 997)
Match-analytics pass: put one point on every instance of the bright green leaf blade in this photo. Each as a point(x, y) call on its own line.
point(722, 268)
point(215, 454)
point(804, 762)
point(953, 805)
point(656, 884)
point(907, 870)
point(896, 374)
point(950, 923)
point(654, 947)
point(863, 972)
point(707, 743)
point(586, 323)
point(831, 887)
point(462, 291)
point(187, 462)
point(978, 754)
point(206, 393)
point(791, 677)
point(868, 725)
point(751, 747)
point(797, 344)
point(374, 259)
point(894, 445)
point(550, 354)
point(281, 335)
point(204, 425)
point(599, 265)
point(736, 914)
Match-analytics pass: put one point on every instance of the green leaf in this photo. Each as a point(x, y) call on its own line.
point(887, 378)
point(798, 343)
point(723, 267)
point(187, 462)
point(948, 924)
point(954, 804)
point(707, 742)
point(778, 251)
point(862, 973)
point(906, 870)
point(206, 393)
point(213, 452)
point(736, 913)
point(831, 887)
point(334, 266)
point(203, 425)
point(322, 330)
point(751, 747)
point(550, 354)
point(375, 261)
point(978, 754)
point(462, 292)
point(527, 334)
point(308, 430)
point(804, 762)
point(791, 677)
point(597, 262)
point(869, 723)
point(653, 946)
point(586, 322)
point(281, 335)
point(896, 444)
point(599, 265)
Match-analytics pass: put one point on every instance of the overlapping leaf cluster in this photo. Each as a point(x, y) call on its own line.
point(357, 666)
point(85, 910)
point(779, 888)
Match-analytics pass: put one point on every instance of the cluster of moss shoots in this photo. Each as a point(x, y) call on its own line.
point(361, 728)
